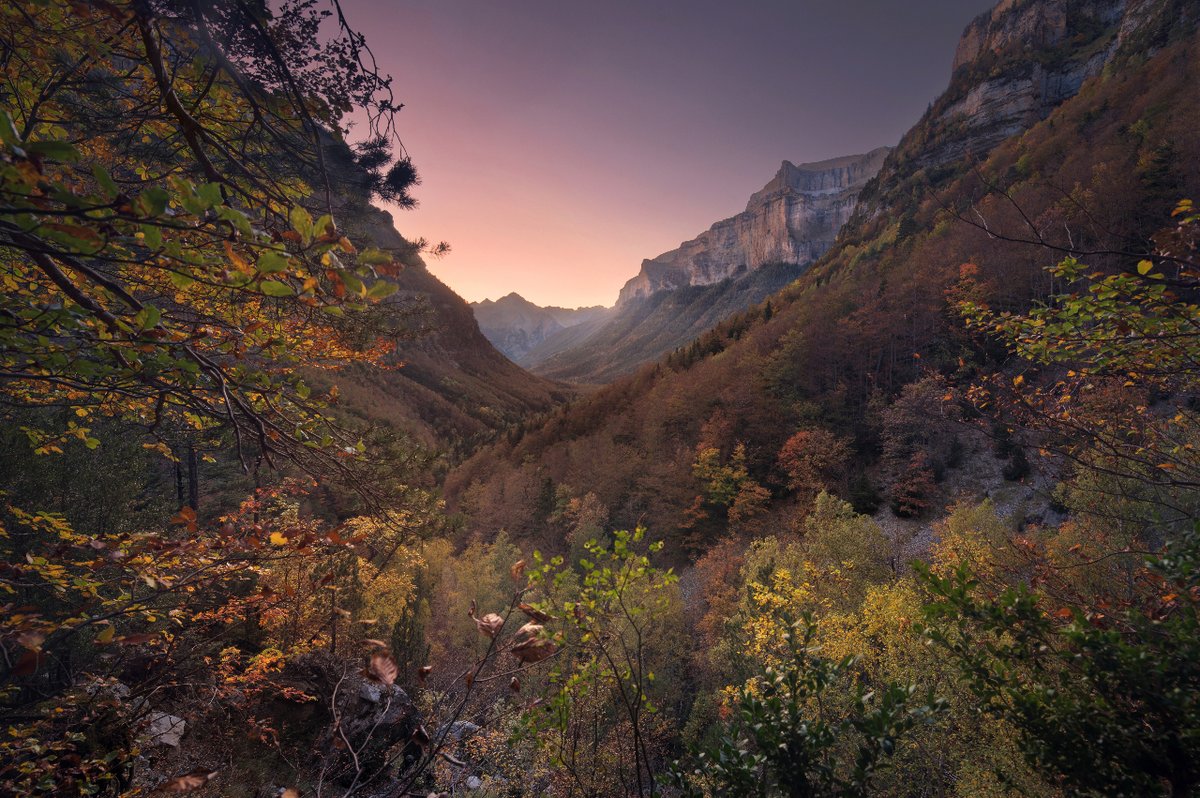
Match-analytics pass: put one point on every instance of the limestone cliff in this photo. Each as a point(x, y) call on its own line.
point(1013, 66)
point(794, 219)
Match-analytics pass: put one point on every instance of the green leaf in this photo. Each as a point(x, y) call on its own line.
point(272, 261)
point(301, 222)
point(382, 289)
point(8, 131)
point(152, 202)
point(353, 284)
point(152, 235)
point(104, 179)
point(210, 193)
point(148, 317)
point(235, 217)
point(324, 225)
point(374, 257)
point(276, 288)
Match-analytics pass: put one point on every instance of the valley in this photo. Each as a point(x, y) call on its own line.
point(886, 485)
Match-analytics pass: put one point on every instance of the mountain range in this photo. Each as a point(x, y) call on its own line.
point(676, 296)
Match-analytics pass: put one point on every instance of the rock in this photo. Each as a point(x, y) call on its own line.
point(460, 729)
point(371, 692)
point(165, 729)
point(474, 782)
point(793, 219)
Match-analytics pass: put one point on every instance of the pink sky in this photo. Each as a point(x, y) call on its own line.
point(560, 143)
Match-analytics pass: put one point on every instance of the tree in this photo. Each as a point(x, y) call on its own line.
point(814, 460)
point(913, 488)
point(175, 187)
point(1106, 371)
point(1106, 699)
point(785, 741)
point(601, 719)
point(160, 263)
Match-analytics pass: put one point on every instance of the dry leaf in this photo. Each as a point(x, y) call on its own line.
point(383, 668)
point(532, 645)
point(420, 737)
point(517, 569)
point(188, 781)
point(289, 792)
point(489, 624)
point(514, 684)
point(423, 672)
point(534, 613)
point(370, 641)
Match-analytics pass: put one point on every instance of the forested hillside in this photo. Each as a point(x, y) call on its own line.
point(1097, 178)
point(921, 523)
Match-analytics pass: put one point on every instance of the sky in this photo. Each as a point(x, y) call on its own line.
point(561, 142)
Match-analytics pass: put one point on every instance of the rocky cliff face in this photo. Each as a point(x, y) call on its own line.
point(516, 326)
point(793, 219)
point(1013, 66)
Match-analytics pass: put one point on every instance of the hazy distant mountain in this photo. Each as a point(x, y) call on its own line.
point(787, 225)
point(643, 329)
point(515, 325)
point(454, 389)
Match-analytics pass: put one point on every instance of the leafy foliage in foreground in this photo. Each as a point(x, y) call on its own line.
point(159, 259)
point(786, 741)
point(1108, 701)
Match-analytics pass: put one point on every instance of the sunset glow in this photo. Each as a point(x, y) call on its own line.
point(562, 143)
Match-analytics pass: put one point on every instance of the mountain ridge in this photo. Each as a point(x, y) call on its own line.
point(794, 218)
point(515, 326)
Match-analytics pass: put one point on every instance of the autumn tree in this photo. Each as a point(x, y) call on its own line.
point(786, 740)
point(1104, 374)
point(1103, 701)
point(168, 220)
point(603, 725)
point(175, 187)
point(814, 460)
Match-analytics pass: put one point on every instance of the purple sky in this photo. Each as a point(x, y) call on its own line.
point(561, 141)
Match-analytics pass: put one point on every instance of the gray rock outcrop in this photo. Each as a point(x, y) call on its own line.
point(794, 219)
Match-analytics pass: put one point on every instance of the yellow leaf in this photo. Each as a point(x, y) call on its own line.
point(278, 539)
point(237, 260)
point(106, 635)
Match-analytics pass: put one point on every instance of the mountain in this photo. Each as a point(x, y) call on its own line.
point(794, 219)
point(642, 329)
point(450, 388)
point(1069, 126)
point(787, 225)
point(516, 326)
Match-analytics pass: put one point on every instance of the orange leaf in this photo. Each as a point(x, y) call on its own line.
point(188, 782)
